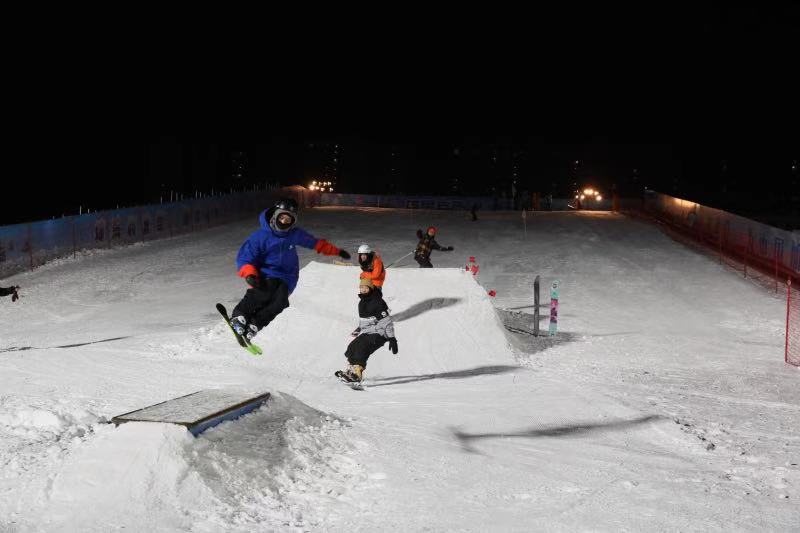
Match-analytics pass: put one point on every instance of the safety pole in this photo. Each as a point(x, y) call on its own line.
point(398, 260)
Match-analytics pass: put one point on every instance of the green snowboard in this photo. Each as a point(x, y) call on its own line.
point(244, 343)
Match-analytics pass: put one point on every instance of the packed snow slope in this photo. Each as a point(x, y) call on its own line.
point(663, 403)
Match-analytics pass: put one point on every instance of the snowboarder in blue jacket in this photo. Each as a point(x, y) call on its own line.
point(268, 262)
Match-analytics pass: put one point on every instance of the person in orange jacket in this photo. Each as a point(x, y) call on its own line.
point(371, 266)
point(372, 270)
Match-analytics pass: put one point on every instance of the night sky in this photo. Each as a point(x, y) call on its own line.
point(702, 105)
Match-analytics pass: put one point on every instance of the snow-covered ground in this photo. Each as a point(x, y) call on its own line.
point(663, 404)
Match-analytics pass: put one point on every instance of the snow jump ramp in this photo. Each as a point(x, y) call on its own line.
point(197, 411)
point(444, 322)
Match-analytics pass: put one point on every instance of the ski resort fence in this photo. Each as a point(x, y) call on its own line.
point(767, 254)
point(33, 244)
point(792, 324)
point(415, 202)
point(456, 203)
point(756, 249)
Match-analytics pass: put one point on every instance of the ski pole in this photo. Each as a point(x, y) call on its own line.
point(398, 260)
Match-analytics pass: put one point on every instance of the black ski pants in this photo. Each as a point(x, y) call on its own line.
point(360, 348)
point(424, 262)
point(262, 304)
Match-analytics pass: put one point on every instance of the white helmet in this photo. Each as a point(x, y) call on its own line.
point(364, 249)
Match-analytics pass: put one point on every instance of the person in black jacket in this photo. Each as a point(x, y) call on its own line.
point(427, 243)
point(375, 328)
point(5, 291)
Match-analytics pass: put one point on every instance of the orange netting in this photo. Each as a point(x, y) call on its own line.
point(793, 324)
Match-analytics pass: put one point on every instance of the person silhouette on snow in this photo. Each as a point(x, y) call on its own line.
point(268, 262)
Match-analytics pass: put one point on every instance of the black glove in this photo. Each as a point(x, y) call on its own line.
point(393, 345)
point(344, 254)
point(252, 280)
point(447, 249)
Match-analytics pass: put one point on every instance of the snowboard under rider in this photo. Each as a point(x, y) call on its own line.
point(268, 262)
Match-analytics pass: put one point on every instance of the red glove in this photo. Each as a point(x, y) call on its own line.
point(325, 248)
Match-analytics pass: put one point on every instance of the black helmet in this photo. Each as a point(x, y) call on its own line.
point(287, 206)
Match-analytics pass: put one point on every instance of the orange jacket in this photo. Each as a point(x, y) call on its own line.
point(377, 274)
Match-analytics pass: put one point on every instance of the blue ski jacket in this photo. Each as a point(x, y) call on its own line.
point(270, 254)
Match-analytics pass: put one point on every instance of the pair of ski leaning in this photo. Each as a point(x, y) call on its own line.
point(268, 262)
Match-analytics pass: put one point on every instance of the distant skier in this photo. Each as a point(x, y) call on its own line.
point(376, 327)
point(426, 244)
point(5, 291)
point(268, 262)
point(474, 212)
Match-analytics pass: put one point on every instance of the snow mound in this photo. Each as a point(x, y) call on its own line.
point(285, 465)
point(133, 476)
point(33, 421)
point(278, 467)
point(444, 322)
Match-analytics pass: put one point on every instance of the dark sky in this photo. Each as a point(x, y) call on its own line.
point(717, 170)
point(702, 102)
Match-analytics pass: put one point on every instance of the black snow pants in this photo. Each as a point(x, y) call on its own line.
point(6, 291)
point(262, 304)
point(424, 262)
point(360, 348)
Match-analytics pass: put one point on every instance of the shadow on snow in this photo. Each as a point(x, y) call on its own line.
point(456, 374)
point(424, 306)
point(568, 430)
